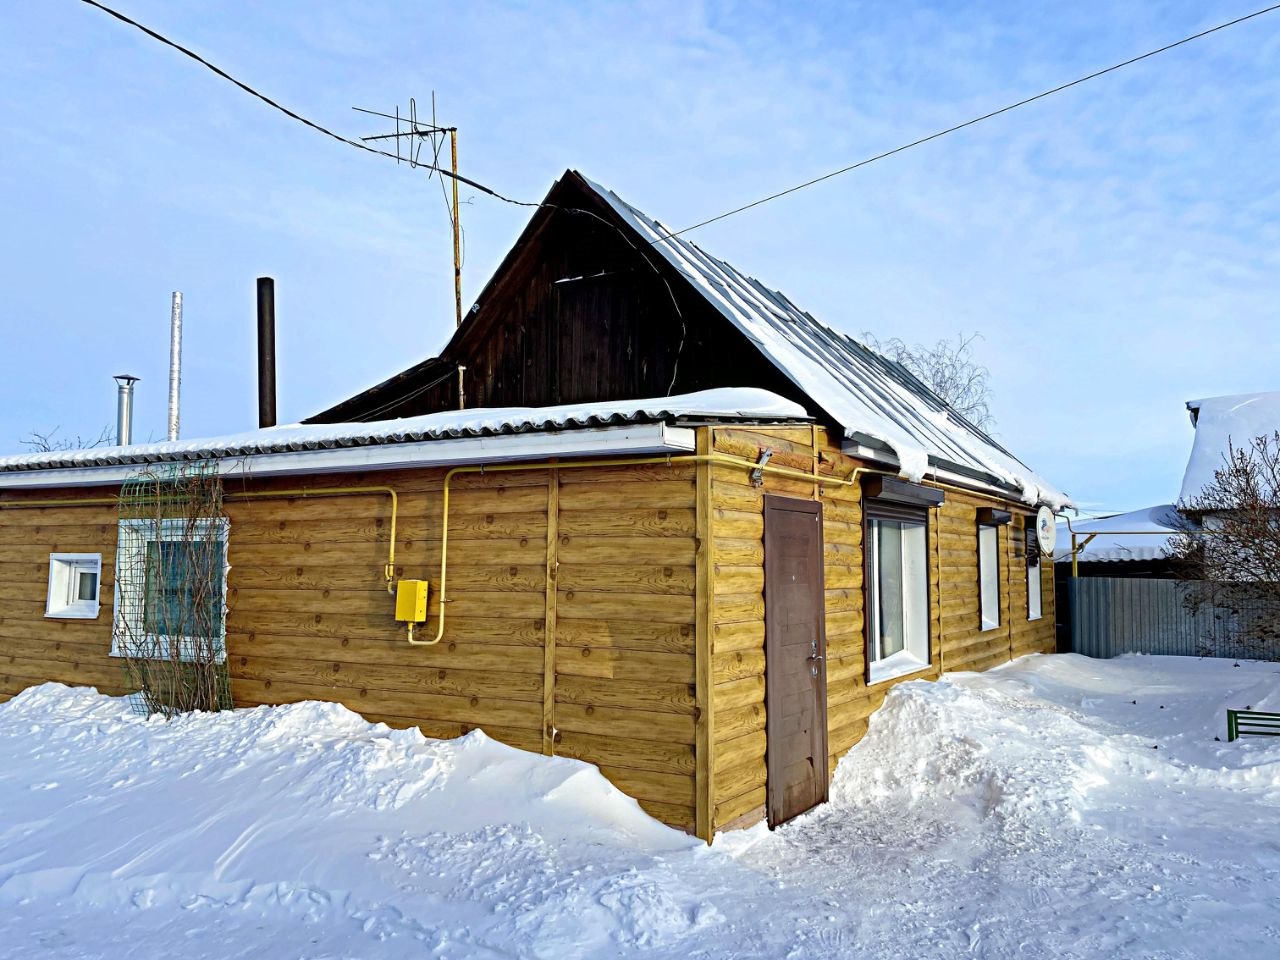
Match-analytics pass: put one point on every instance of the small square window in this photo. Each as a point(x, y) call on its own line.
point(74, 579)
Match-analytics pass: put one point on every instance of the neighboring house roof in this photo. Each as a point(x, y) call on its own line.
point(1223, 422)
point(876, 401)
point(1140, 535)
point(732, 404)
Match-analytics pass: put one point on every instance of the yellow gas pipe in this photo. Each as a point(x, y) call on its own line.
point(722, 459)
point(389, 571)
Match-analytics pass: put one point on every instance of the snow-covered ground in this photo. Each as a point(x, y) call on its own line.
point(1058, 807)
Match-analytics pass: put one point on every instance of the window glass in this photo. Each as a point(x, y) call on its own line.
point(890, 629)
point(183, 583)
point(1034, 610)
point(898, 594)
point(989, 575)
point(86, 584)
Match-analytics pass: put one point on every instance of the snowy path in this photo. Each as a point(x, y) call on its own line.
point(1035, 811)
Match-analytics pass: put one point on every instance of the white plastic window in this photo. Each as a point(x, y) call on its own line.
point(170, 577)
point(899, 598)
point(1034, 611)
point(74, 579)
point(989, 575)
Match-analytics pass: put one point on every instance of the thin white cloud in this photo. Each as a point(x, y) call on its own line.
point(1116, 246)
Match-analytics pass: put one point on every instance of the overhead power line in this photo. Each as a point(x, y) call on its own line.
point(969, 123)
point(291, 114)
point(383, 153)
point(729, 213)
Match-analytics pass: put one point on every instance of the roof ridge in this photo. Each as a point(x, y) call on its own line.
point(867, 393)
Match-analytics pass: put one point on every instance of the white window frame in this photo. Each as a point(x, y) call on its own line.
point(1035, 585)
point(1035, 592)
point(914, 656)
point(130, 600)
point(61, 602)
point(989, 575)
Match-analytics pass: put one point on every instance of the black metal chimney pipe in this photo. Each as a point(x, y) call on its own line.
point(266, 352)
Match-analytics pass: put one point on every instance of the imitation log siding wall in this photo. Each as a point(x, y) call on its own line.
point(309, 616)
point(573, 617)
point(958, 642)
point(34, 649)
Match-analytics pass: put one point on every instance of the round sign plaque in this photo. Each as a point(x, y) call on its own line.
point(1046, 529)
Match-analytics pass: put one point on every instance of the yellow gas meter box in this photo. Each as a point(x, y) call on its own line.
point(411, 601)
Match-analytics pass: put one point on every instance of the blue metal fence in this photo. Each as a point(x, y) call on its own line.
point(1112, 616)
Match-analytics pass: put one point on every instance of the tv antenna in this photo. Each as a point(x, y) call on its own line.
point(416, 135)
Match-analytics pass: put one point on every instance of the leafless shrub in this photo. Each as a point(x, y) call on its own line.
point(1231, 544)
point(170, 590)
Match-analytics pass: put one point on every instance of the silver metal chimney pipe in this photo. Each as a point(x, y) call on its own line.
point(175, 364)
point(124, 408)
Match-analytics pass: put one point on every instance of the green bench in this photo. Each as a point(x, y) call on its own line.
point(1253, 722)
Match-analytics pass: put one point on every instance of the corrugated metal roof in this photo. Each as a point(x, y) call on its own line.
point(1138, 535)
point(867, 394)
point(738, 403)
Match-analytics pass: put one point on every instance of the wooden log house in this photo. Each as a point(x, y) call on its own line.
point(705, 594)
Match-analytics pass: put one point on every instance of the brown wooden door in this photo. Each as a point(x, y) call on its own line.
point(795, 657)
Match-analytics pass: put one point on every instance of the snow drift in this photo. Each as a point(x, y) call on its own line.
point(1055, 807)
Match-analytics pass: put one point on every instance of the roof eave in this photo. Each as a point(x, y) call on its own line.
point(863, 447)
point(636, 438)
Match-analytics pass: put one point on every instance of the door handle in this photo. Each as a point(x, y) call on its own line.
point(814, 662)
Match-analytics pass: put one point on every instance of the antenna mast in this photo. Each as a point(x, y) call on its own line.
point(419, 134)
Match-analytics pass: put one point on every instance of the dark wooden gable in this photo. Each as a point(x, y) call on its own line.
point(581, 310)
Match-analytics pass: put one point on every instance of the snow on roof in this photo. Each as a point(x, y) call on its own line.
point(1223, 421)
point(734, 403)
point(871, 397)
point(1139, 535)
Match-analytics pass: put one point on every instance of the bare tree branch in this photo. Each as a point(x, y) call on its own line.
point(949, 369)
point(38, 442)
point(1231, 545)
point(1240, 510)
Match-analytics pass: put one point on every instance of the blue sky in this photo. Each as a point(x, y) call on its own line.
point(1117, 246)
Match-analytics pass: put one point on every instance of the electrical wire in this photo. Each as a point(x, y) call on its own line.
point(675, 304)
point(435, 168)
point(291, 114)
point(432, 168)
point(729, 213)
point(370, 415)
point(969, 123)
